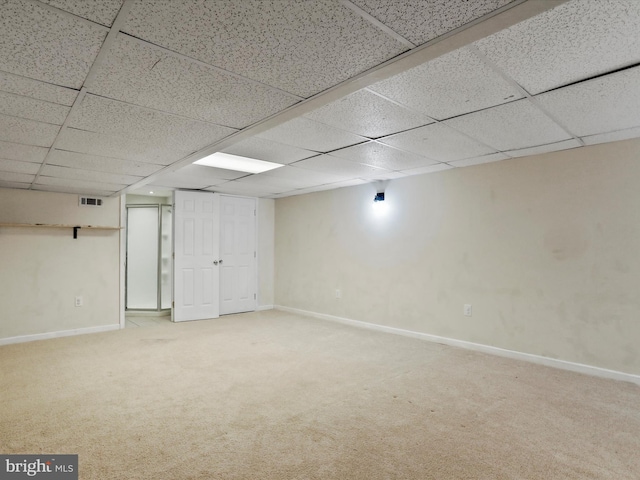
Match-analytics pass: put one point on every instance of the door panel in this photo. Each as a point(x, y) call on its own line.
point(196, 239)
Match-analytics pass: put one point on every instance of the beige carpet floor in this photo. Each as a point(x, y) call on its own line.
point(273, 395)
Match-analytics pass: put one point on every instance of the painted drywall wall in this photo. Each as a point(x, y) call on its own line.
point(42, 270)
point(266, 251)
point(545, 249)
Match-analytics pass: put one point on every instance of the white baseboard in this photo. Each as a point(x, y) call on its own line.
point(528, 357)
point(64, 333)
point(261, 308)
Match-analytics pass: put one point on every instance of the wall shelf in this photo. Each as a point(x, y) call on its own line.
point(51, 225)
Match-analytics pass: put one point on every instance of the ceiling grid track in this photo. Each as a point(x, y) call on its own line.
point(462, 36)
point(95, 67)
point(493, 66)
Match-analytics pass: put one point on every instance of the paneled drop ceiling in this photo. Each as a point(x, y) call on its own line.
point(106, 97)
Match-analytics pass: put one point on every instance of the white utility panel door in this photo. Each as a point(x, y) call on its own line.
point(196, 286)
point(238, 254)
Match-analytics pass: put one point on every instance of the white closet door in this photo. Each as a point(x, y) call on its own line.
point(196, 263)
point(142, 258)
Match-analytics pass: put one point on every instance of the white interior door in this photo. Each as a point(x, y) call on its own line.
point(196, 287)
point(142, 258)
point(238, 254)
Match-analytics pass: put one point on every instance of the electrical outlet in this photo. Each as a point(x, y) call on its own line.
point(78, 301)
point(467, 310)
point(338, 293)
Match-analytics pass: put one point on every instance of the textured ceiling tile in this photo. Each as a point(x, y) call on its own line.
point(38, 90)
point(73, 189)
point(310, 135)
point(203, 171)
point(27, 132)
point(187, 183)
point(338, 166)
point(571, 42)
point(18, 167)
point(438, 142)
point(612, 136)
point(450, 85)
point(382, 156)
point(79, 184)
point(92, 176)
point(101, 164)
point(23, 153)
point(263, 149)
point(39, 43)
point(307, 177)
point(552, 147)
point(277, 183)
point(510, 127)
point(111, 117)
point(16, 177)
point(138, 73)
point(298, 46)
point(93, 143)
point(239, 188)
point(32, 109)
point(24, 185)
point(100, 11)
point(422, 20)
point(596, 106)
point(430, 169)
point(467, 162)
point(367, 114)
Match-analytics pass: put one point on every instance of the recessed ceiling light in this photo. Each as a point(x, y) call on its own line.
point(151, 192)
point(237, 163)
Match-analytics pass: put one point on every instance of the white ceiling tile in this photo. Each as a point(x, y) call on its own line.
point(73, 189)
point(184, 183)
point(571, 42)
point(23, 153)
point(386, 175)
point(420, 21)
point(382, 156)
point(100, 11)
point(46, 45)
point(311, 135)
point(92, 143)
point(38, 90)
point(202, 171)
point(450, 85)
point(138, 73)
point(27, 132)
point(263, 149)
point(431, 169)
point(79, 184)
point(509, 127)
point(110, 117)
point(367, 114)
point(16, 177)
point(90, 175)
point(278, 184)
point(438, 142)
point(596, 106)
point(235, 187)
point(18, 167)
point(612, 136)
point(20, 185)
point(467, 162)
point(32, 109)
point(300, 47)
point(101, 164)
point(551, 147)
point(303, 176)
point(338, 166)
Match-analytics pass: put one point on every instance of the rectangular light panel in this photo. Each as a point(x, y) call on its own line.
point(237, 163)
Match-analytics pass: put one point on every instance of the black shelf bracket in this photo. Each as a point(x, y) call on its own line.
point(75, 232)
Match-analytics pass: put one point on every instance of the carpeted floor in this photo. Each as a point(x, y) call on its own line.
point(273, 395)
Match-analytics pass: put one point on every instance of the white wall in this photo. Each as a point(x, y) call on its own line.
point(545, 248)
point(266, 251)
point(42, 270)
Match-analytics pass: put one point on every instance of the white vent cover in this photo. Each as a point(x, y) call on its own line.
point(90, 202)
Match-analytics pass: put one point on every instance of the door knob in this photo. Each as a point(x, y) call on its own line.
point(215, 262)
point(220, 261)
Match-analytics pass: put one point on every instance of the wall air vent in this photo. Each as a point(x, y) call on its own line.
point(90, 202)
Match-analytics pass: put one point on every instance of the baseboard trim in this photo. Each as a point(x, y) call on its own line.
point(262, 308)
point(63, 333)
point(527, 357)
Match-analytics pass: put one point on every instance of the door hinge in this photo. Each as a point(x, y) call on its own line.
point(254, 254)
point(173, 304)
point(173, 255)
point(254, 212)
point(254, 296)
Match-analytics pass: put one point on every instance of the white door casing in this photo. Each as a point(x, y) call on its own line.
point(196, 236)
point(238, 254)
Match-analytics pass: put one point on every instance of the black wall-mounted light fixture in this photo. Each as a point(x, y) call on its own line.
point(379, 197)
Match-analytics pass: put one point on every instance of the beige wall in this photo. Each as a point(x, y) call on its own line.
point(43, 270)
point(545, 249)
